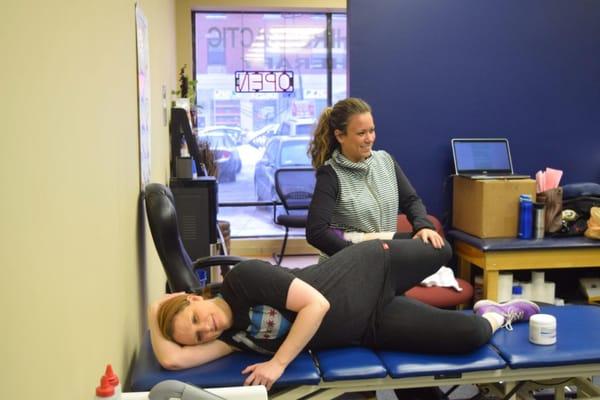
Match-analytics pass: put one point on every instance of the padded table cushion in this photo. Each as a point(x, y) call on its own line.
point(578, 328)
point(403, 365)
point(349, 363)
point(578, 339)
point(497, 244)
point(226, 371)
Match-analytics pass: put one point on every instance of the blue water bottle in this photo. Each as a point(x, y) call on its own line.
point(525, 217)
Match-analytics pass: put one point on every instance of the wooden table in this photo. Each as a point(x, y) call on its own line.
point(493, 256)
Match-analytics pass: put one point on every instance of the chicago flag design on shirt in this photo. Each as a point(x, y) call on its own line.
point(267, 323)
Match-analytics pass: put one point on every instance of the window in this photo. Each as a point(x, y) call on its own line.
point(268, 124)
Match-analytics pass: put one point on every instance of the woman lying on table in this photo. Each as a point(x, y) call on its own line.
point(350, 299)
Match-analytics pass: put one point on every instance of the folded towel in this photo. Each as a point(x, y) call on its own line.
point(444, 277)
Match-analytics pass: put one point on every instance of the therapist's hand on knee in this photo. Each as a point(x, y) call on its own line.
point(430, 236)
point(357, 237)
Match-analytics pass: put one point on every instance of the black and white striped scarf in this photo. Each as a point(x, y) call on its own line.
point(368, 193)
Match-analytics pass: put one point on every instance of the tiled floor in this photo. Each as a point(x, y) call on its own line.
point(293, 261)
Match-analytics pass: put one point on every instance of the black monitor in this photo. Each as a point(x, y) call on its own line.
point(180, 128)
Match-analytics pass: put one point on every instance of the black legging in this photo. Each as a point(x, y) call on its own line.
point(409, 325)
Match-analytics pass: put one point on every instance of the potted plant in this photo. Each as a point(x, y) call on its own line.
point(186, 95)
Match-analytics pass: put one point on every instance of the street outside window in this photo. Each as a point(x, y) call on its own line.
point(262, 81)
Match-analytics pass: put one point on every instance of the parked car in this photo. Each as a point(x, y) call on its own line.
point(226, 154)
point(260, 137)
point(296, 127)
point(291, 127)
point(234, 132)
point(280, 152)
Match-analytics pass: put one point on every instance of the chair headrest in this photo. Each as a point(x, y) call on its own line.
point(295, 187)
point(162, 219)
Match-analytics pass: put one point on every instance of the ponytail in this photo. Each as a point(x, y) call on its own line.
point(324, 142)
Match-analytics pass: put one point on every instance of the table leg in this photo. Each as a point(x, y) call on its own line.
point(464, 269)
point(490, 285)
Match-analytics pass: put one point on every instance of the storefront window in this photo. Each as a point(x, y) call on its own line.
point(262, 75)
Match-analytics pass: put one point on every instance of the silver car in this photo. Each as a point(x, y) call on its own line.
point(280, 152)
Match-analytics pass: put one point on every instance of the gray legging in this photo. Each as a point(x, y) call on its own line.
point(409, 325)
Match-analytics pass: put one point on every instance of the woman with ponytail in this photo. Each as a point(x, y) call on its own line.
point(360, 191)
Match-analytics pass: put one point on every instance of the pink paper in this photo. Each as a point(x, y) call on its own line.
point(539, 184)
point(547, 179)
point(553, 177)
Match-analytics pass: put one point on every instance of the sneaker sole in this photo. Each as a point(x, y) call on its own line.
point(482, 303)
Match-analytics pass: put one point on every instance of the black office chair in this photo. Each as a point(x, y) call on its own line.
point(295, 187)
point(178, 266)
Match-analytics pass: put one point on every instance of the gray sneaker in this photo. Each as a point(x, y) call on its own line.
point(512, 310)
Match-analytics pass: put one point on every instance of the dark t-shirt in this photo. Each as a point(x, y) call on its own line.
point(355, 282)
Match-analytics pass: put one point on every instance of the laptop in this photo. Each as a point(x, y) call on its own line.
point(483, 159)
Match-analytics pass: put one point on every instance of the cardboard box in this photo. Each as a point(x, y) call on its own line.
point(489, 208)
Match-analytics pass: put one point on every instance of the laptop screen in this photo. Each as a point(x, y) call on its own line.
point(481, 156)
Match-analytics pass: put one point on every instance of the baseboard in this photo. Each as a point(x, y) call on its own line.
point(266, 247)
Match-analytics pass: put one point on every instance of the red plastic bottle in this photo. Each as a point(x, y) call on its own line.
point(113, 379)
point(106, 390)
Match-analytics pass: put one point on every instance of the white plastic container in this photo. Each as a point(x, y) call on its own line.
point(505, 283)
point(537, 286)
point(549, 290)
point(542, 329)
point(527, 290)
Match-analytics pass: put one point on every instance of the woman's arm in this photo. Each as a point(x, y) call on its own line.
point(416, 212)
point(171, 355)
point(318, 230)
point(311, 307)
point(410, 203)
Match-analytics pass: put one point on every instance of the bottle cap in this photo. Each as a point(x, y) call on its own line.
point(517, 289)
point(105, 389)
point(110, 374)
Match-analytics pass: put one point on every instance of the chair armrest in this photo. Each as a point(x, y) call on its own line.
point(211, 261)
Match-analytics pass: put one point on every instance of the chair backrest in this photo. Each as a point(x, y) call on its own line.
point(403, 225)
point(162, 218)
point(295, 187)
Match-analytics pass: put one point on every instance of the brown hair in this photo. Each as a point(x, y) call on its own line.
point(323, 142)
point(167, 312)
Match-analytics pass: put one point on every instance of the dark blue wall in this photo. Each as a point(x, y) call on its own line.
point(528, 70)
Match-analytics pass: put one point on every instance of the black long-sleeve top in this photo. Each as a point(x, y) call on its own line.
point(329, 241)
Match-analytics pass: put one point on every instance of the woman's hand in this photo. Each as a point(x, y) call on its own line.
point(265, 373)
point(430, 236)
point(310, 307)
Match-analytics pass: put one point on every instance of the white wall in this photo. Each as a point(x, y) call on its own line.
point(71, 237)
point(78, 263)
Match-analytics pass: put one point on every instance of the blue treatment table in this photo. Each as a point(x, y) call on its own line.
point(510, 358)
point(507, 254)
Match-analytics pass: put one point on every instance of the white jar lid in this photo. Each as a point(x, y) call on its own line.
point(543, 319)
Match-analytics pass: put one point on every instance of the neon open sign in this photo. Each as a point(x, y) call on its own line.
point(264, 81)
